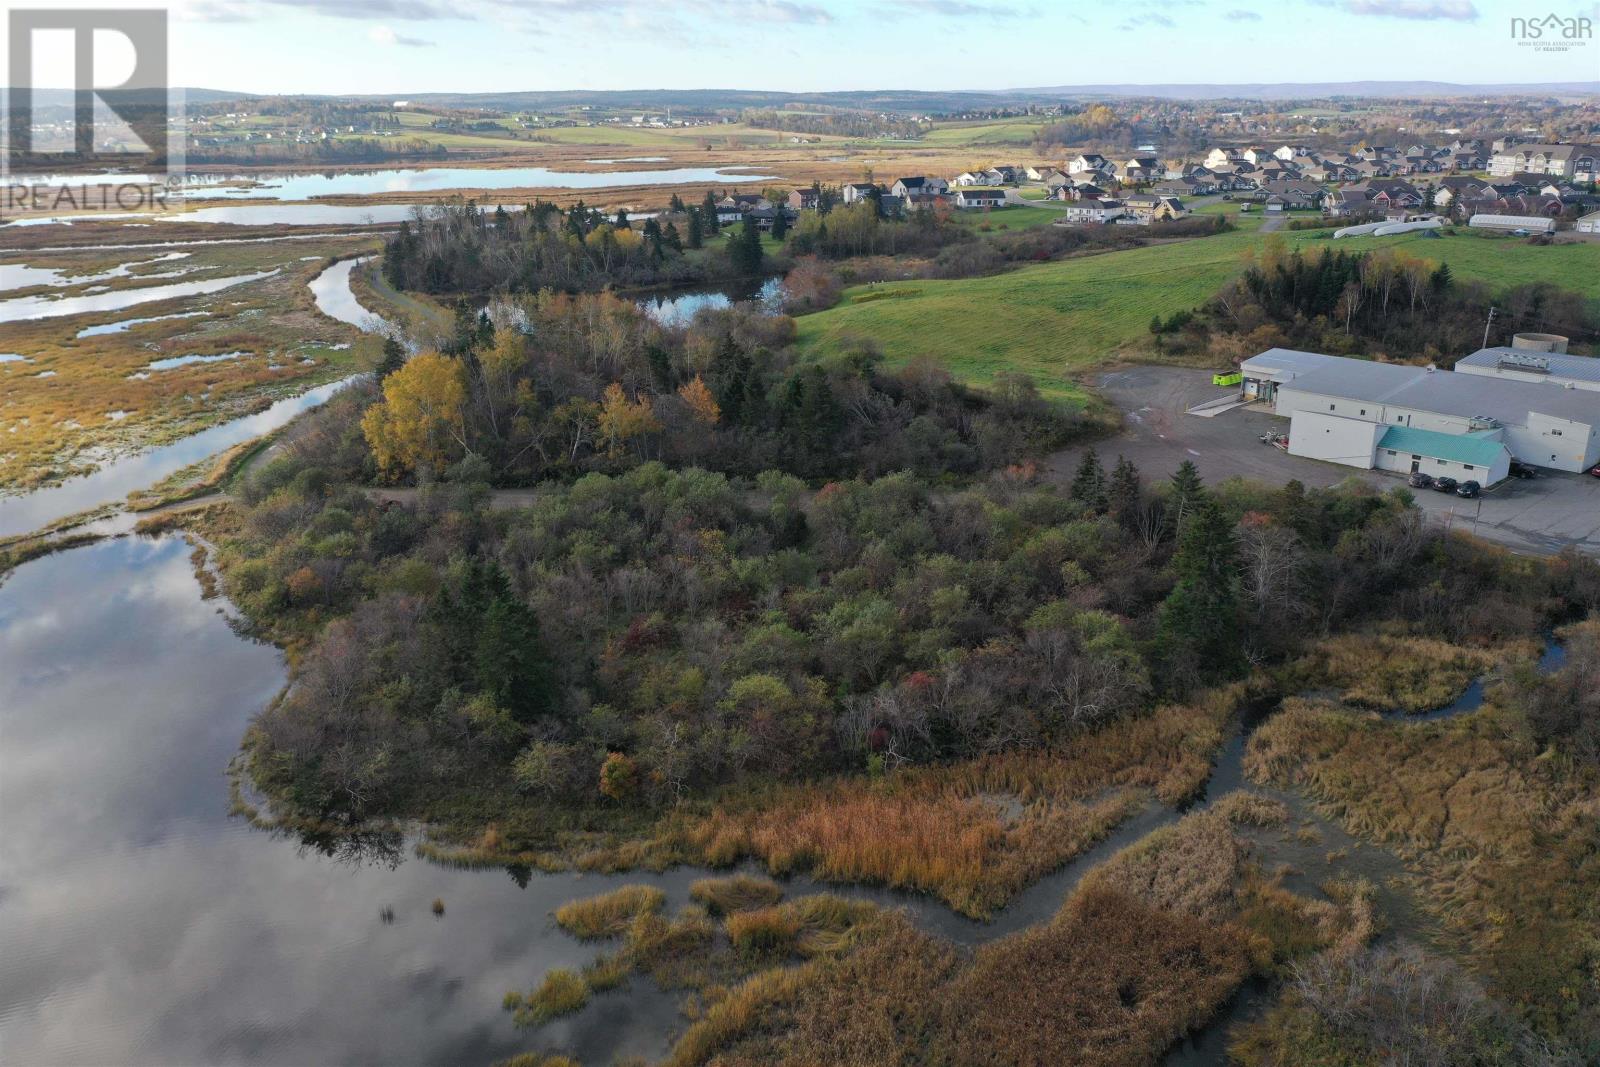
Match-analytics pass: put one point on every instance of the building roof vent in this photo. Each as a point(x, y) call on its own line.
point(1526, 363)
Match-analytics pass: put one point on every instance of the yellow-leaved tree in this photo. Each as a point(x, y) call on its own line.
point(701, 403)
point(623, 420)
point(420, 420)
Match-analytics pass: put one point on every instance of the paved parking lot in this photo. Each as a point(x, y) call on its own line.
point(1539, 516)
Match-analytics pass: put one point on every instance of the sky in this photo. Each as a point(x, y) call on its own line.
point(412, 46)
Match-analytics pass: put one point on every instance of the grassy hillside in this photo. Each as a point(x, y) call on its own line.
point(1056, 318)
point(1047, 320)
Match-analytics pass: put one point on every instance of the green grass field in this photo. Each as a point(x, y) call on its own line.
point(1011, 217)
point(1054, 319)
point(1005, 131)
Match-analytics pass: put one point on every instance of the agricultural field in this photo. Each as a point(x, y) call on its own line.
point(82, 388)
point(1055, 319)
point(1014, 132)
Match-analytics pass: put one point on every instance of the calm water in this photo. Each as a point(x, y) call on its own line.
point(678, 307)
point(440, 179)
point(44, 307)
point(115, 480)
point(331, 290)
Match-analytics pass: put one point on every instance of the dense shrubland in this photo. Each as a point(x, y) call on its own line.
point(1387, 302)
point(631, 639)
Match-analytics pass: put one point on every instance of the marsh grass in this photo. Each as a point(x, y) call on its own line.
point(610, 914)
point(56, 426)
point(538, 1059)
point(1395, 673)
point(739, 892)
point(1502, 842)
point(561, 993)
point(975, 833)
point(1149, 946)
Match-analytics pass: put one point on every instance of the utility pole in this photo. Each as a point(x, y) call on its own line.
point(1486, 326)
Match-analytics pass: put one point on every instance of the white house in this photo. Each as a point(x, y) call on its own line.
point(1087, 211)
point(973, 199)
point(1089, 163)
point(1589, 223)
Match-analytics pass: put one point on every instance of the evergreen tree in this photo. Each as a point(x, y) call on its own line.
point(1124, 492)
point(621, 221)
point(394, 357)
point(708, 215)
point(694, 227)
point(780, 224)
point(670, 237)
point(1187, 488)
point(1089, 483)
point(652, 235)
point(1198, 632)
point(745, 251)
point(675, 205)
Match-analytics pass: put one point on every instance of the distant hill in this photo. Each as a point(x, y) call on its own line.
point(904, 101)
point(1323, 90)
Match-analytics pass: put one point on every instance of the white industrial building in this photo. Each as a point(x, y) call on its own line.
point(1522, 365)
point(1392, 417)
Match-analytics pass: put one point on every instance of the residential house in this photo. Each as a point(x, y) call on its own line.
point(1295, 194)
point(1080, 191)
point(1088, 163)
point(1057, 181)
point(919, 185)
point(1185, 187)
point(1580, 162)
point(967, 178)
point(1140, 170)
point(1091, 211)
point(1349, 202)
point(854, 191)
point(1145, 208)
point(1457, 186)
point(973, 199)
point(805, 199)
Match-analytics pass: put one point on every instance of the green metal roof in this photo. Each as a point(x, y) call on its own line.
point(1458, 448)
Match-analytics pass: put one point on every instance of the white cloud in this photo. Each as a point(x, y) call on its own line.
point(388, 38)
point(1422, 10)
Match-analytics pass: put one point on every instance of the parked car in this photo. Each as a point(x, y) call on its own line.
point(1520, 469)
point(1467, 489)
point(1444, 485)
point(1421, 481)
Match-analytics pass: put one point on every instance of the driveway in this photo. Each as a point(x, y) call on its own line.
point(1539, 517)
